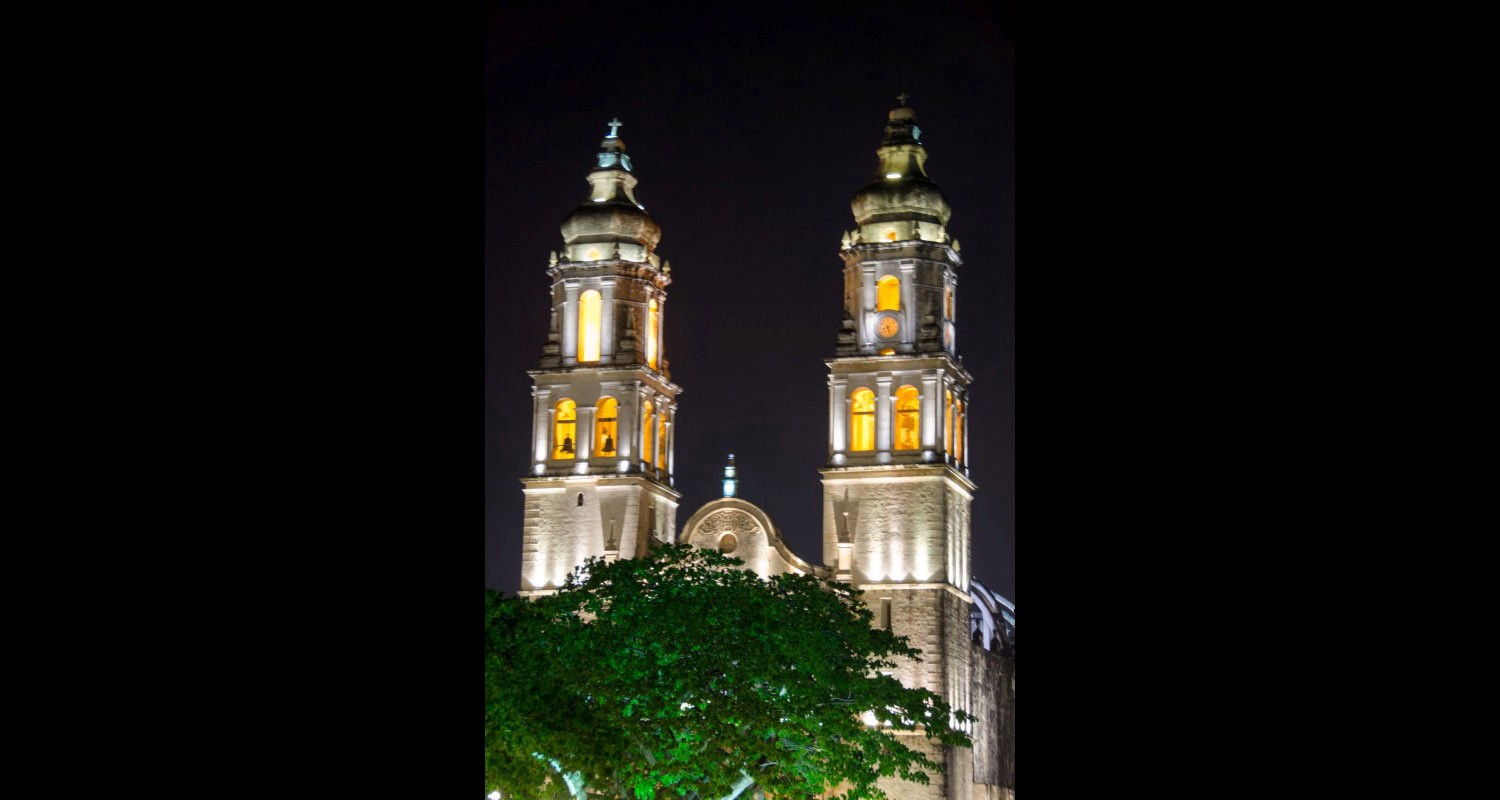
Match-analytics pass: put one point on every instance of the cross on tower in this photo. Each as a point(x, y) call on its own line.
point(902, 98)
point(614, 125)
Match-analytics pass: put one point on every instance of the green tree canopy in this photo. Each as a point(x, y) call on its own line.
point(677, 675)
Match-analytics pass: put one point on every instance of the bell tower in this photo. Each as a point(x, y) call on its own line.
point(604, 404)
point(896, 490)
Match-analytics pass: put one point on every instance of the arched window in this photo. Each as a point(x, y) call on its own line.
point(646, 432)
point(862, 421)
point(908, 405)
point(948, 303)
point(653, 326)
point(888, 294)
point(588, 326)
point(564, 430)
point(661, 439)
point(948, 421)
point(605, 429)
point(958, 430)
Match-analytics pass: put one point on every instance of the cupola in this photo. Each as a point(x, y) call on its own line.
point(901, 203)
point(611, 224)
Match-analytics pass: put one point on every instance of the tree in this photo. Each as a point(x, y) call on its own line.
point(678, 675)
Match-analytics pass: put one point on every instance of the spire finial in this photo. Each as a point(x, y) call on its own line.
point(902, 98)
point(614, 126)
point(729, 477)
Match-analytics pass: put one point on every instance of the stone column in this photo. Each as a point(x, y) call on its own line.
point(883, 419)
point(838, 415)
point(965, 464)
point(627, 422)
point(671, 439)
point(953, 285)
point(932, 410)
point(948, 442)
point(867, 304)
point(541, 403)
point(585, 432)
point(551, 428)
point(909, 317)
point(661, 332)
point(607, 319)
point(570, 323)
point(659, 430)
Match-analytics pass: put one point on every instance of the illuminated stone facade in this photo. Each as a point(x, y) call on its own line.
point(896, 489)
point(604, 404)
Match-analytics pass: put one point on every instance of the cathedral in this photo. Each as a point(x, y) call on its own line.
point(896, 487)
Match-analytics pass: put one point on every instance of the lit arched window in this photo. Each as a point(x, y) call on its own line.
point(605, 428)
point(958, 429)
point(661, 439)
point(948, 303)
point(588, 326)
point(888, 294)
point(646, 432)
point(862, 421)
point(653, 325)
point(564, 430)
point(908, 403)
point(948, 422)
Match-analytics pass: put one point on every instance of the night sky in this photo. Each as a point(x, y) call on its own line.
point(749, 133)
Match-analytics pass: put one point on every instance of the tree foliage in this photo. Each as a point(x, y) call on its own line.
point(678, 675)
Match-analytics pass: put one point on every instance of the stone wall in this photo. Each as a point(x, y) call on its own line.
point(994, 731)
point(900, 528)
point(935, 621)
point(617, 518)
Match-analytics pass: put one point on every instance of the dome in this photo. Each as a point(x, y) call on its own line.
point(615, 220)
point(886, 199)
point(901, 189)
point(612, 214)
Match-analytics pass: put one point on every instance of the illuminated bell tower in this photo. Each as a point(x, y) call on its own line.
point(604, 404)
point(896, 490)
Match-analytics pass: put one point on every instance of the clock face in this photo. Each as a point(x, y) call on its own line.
point(887, 327)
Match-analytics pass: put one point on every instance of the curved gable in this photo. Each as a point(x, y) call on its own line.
point(742, 530)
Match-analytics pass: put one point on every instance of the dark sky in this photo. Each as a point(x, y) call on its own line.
point(749, 132)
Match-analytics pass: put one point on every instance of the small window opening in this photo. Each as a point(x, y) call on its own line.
point(565, 422)
point(580, 499)
point(888, 294)
point(605, 427)
point(908, 409)
point(862, 421)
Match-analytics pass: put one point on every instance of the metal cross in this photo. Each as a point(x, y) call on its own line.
point(902, 97)
point(614, 124)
